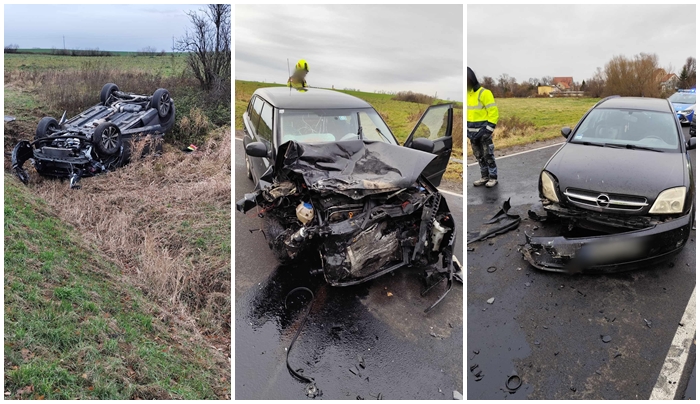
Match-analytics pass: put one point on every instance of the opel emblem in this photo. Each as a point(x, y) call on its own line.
point(603, 200)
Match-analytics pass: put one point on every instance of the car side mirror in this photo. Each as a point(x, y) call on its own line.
point(256, 149)
point(690, 145)
point(566, 131)
point(423, 144)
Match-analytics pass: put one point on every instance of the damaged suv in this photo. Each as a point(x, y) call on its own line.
point(98, 139)
point(333, 182)
point(625, 173)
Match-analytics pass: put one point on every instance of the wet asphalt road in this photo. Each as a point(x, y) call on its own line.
point(547, 327)
point(391, 333)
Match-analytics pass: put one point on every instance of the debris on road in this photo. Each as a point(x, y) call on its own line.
point(648, 322)
point(500, 223)
point(491, 300)
point(513, 383)
point(491, 269)
point(361, 361)
point(606, 338)
point(456, 395)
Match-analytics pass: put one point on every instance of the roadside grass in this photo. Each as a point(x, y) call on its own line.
point(528, 120)
point(401, 116)
point(75, 328)
point(170, 65)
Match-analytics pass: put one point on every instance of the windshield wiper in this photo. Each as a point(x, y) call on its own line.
point(591, 144)
point(383, 135)
point(631, 146)
point(359, 127)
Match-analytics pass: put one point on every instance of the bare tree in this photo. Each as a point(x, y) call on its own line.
point(209, 45)
point(546, 81)
point(11, 48)
point(633, 77)
point(488, 82)
point(687, 77)
point(595, 86)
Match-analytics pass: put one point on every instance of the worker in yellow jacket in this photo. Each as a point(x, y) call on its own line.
point(482, 117)
point(298, 78)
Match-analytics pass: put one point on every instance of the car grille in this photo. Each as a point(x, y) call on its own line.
point(606, 201)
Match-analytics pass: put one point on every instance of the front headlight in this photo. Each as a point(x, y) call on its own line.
point(669, 201)
point(549, 190)
point(687, 112)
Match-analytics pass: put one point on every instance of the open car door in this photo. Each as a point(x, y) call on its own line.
point(433, 134)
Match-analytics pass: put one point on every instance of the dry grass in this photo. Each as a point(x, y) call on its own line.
point(167, 222)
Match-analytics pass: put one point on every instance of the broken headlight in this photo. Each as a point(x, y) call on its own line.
point(669, 201)
point(549, 189)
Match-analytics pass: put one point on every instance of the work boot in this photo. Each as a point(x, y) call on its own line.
point(481, 182)
point(491, 183)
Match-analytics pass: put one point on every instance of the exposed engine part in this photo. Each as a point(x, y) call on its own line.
point(305, 212)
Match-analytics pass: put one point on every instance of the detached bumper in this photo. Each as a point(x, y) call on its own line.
point(609, 253)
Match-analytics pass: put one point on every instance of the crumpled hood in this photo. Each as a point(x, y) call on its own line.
point(617, 171)
point(355, 168)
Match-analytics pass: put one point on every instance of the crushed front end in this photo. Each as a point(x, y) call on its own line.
point(362, 207)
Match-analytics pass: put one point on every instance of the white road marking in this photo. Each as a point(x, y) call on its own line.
point(522, 152)
point(669, 379)
point(441, 190)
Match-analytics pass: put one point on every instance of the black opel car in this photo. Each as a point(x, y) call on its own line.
point(332, 182)
point(624, 173)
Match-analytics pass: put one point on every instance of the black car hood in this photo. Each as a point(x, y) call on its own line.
point(619, 171)
point(355, 168)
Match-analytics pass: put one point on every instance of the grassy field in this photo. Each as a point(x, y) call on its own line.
point(539, 119)
point(74, 329)
point(401, 116)
point(121, 289)
point(169, 65)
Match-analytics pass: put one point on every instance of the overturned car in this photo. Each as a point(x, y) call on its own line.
point(625, 175)
point(332, 182)
point(98, 139)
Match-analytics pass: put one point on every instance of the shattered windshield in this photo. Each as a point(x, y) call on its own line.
point(332, 125)
point(632, 129)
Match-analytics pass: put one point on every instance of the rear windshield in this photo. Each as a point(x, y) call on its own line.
point(631, 128)
point(683, 98)
point(333, 125)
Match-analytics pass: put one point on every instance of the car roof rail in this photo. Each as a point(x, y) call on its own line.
point(605, 99)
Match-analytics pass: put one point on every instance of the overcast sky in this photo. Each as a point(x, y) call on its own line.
point(366, 47)
point(107, 27)
point(549, 40)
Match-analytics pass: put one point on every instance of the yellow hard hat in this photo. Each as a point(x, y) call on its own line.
point(302, 65)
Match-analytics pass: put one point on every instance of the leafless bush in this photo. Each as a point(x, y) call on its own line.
point(638, 76)
point(513, 126)
point(11, 48)
point(410, 96)
point(142, 216)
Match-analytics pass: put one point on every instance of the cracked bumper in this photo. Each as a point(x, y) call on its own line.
point(609, 253)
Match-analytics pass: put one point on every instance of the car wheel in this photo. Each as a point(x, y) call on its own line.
point(107, 138)
point(168, 122)
point(46, 126)
point(248, 171)
point(107, 90)
point(161, 102)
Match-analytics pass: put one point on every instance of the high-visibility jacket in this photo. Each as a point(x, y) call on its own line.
point(296, 83)
point(481, 110)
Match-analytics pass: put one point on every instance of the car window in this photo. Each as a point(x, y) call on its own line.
point(255, 114)
point(651, 129)
point(333, 125)
point(683, 98)
point(434, 124)
point(265, 125)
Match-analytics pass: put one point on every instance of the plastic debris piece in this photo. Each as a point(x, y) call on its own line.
point(513, 383)
point(491, 300)
point(606, 338)
point(456, 395)
point(491, 269)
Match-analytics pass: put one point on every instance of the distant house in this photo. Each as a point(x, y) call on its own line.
point(544, 90)
point(563, 83)
point(669, 82)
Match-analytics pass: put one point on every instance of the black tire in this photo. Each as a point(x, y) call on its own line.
point(107, 90)
point(248, 171)
point(107, 138)
point(169, 121)
point(46, 125)
point(161, 102)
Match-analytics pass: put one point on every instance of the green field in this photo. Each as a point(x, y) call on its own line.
point(164, 65)
point(74, 329)
point(548, 115)
point(401, 116)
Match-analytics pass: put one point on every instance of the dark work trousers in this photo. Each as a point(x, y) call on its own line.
point(483, 152)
